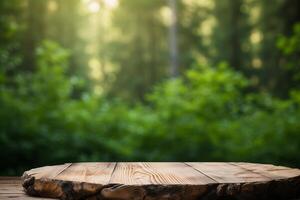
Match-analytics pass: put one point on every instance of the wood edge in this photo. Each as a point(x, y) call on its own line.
point(280, 189)
point(153, 192)
point(51, 188)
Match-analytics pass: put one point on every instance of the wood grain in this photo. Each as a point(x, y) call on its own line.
point(271, 171)
point(162, 181)
point(11, 188)
point(98, 173)
point(156, 181)
point(49, 172)
point(228, 173)
point(158, 173)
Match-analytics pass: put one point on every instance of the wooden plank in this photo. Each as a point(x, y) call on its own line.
point(227, 173)
point(21, 197)
point(156, 181)
point(99, 173)
point(69, 180)
point(11, 185)
point(157, 173)
point(164, 181)
point(10, 180)
point(11, 189)
point(271, 171)
point(49, 172)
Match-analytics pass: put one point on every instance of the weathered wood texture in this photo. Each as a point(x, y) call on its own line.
point(11, 188)
point(163, 181)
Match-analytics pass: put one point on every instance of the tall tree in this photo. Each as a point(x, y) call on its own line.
point(194, 20)
point(35, 30)
point(139, 50)
point(64, 25)
point(276, 19)
point(231, 34)
point(291, 15)
point(173, 39)
point(10, 32)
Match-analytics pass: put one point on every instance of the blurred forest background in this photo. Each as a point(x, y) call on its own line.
point(149, 80)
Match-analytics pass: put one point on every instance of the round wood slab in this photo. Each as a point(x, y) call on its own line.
point(163, 181)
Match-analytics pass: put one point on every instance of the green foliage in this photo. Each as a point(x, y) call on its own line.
point(290, 47)
point(49, 113)
point(209, 117)
point(205, 115)
point(9, 29)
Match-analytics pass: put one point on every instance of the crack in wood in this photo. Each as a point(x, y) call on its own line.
point(202, 173)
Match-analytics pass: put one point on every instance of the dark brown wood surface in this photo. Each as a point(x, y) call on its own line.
point(162, 181)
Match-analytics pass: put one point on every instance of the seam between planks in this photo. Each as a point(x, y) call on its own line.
point(61, 171)
point(112, 173)
point(201, 172)
point(249, 170)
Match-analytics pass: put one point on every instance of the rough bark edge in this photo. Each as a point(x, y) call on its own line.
point(51, 188)
point(282, 189)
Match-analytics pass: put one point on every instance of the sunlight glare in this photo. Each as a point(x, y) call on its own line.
point(95, 66)
point(52, 6)
point(94, 6)
point(165, 13)
point(111, 3)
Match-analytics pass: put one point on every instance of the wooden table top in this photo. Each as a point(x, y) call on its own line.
point(150, 181)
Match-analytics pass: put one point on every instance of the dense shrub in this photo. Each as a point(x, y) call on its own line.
point(204, 116)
